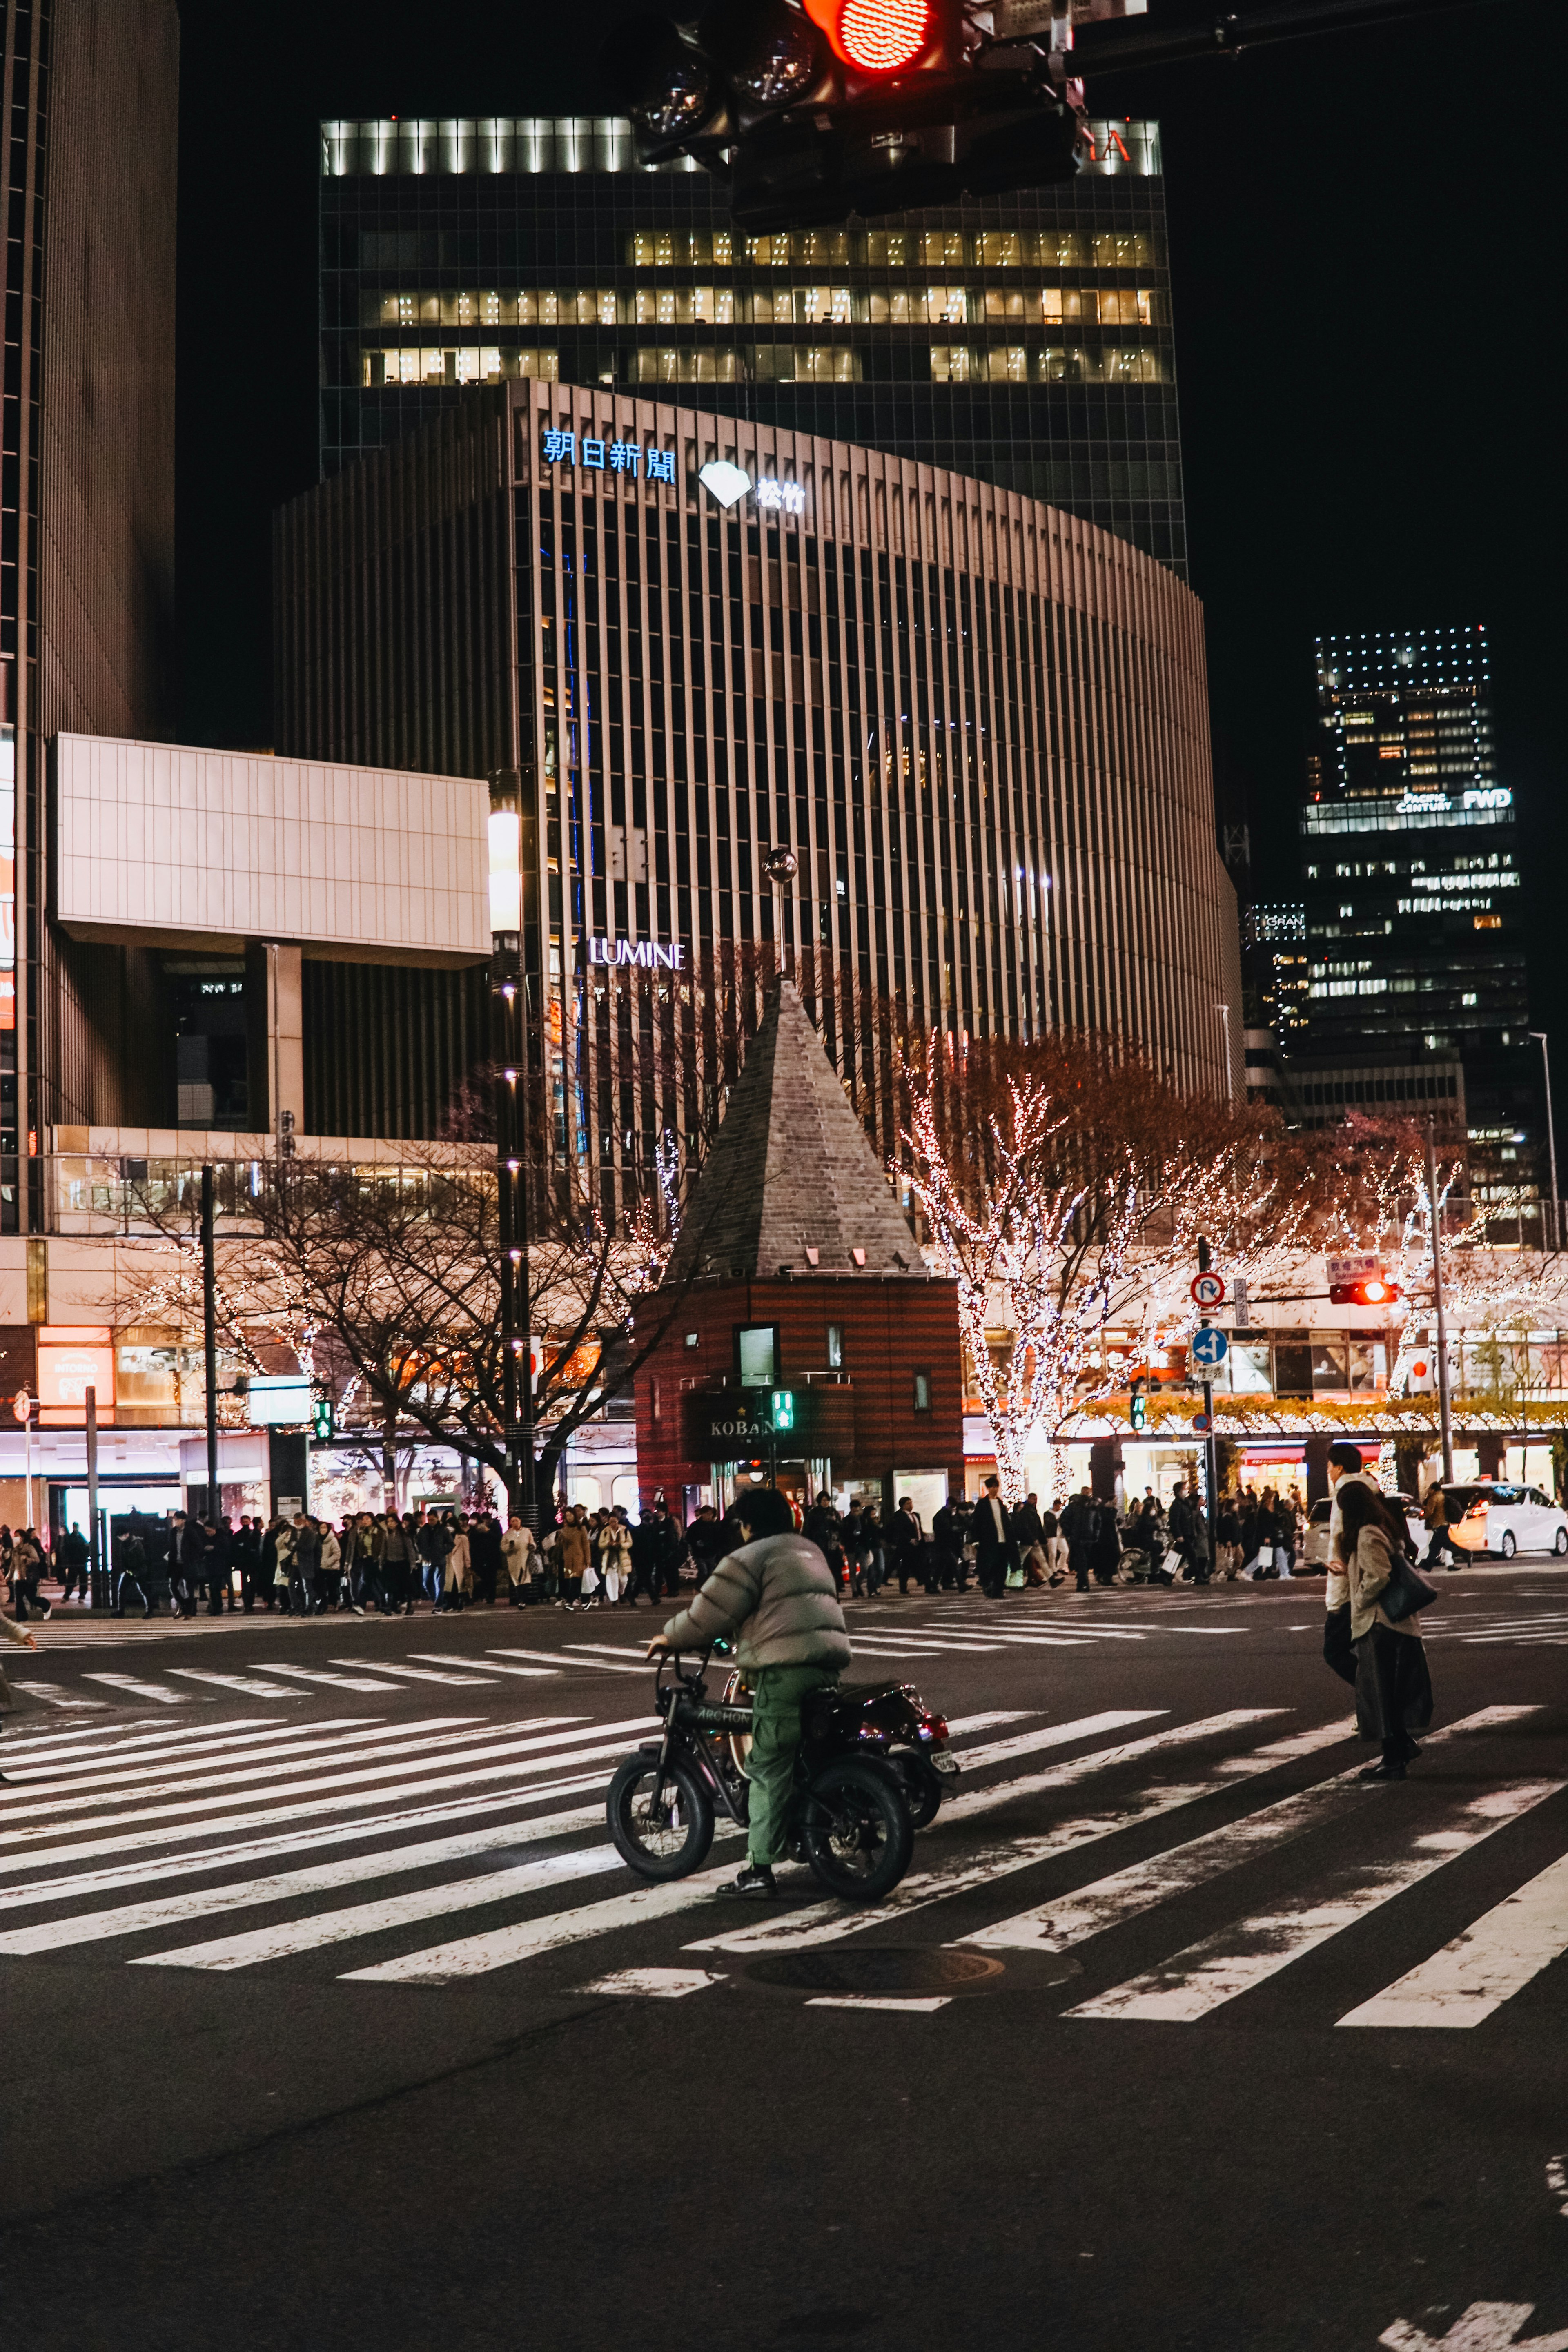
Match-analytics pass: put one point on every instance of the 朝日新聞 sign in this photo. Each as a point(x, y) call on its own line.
point(592, 455)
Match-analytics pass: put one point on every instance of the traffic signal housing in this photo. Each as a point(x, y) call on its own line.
point(1368, 1290)
point(323, 1420)
point(1138, 1407)
point(813, 110)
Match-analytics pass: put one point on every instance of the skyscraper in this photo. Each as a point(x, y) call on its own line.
point(87, 530)
point(1411, 882)
point(1024, 341)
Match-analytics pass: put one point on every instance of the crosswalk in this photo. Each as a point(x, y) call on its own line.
point(279, 1681)
point(1186, 1863)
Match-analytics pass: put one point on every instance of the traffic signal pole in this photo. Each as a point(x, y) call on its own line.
point(1211, 1453)
point(1445, 1409)
point(209, 1337)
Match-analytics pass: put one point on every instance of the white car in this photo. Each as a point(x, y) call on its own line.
point(1315, 1549)
point(1487, 1515)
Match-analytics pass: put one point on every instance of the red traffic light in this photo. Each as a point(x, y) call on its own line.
point(875, 37)
point(1371, 1291)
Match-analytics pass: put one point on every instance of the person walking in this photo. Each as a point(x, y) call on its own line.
point(1056, 1543)
point(905, 1537)
point(995, 1546)
point(1393, 1681)
point(613, 1547)
point(668, 1550)
point(518, 1557)
point(1078, 1526)
point(645, 1559)
point(457, 1567)
point(1105, 1546)
point(1029, 1529)
point(1228, 1541)
point(330, 1567)
point(856, 1549)
point(75, 1556)
point(704, 1540)
point(1347, 1469)
point(24, 1640)
point(947, 1536)
point(1439, 1525)
point(485, 1556)
point(577, 1554)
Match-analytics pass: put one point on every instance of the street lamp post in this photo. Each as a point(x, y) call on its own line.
point(1444, 1410)
point(1539, 1037)
point(513, 1063)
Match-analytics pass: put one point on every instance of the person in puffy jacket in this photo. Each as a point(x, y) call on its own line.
point(777, 1596)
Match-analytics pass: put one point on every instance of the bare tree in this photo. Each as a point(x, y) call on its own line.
point(385, 1280)
point(1064, 1190)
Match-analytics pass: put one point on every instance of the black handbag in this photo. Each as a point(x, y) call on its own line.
point(1406, 1591)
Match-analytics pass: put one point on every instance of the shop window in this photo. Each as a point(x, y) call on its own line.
point(1293, 1364)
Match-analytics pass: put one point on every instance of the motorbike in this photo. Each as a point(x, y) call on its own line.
point(871, 1760)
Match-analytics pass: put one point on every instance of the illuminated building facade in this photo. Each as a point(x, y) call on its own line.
point(677, 644)
point(1411, 879)
point(1024, 341)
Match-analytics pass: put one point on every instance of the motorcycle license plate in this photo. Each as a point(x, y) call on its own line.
point(944, 1762)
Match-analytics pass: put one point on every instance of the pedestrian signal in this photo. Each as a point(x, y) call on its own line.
point(1138, 1408)
point(323, 1421)
point(783, 1409)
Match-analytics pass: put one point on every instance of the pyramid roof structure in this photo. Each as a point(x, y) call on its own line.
point(793, 1181)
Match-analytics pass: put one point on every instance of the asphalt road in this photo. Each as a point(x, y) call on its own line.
point(333, 2021)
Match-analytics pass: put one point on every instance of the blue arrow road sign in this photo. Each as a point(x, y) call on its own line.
point(1210, 1347)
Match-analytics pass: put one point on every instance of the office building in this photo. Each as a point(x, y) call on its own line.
point(87, 530)
point(1024, 341)
point(1411, 882)
point(678, 644)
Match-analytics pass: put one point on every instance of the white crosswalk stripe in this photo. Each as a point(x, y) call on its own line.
point(258, 1844)
point(1486, 1966)
point(157, 1691)
point(1232, 1962)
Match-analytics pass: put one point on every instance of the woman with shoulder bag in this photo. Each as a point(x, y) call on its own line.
point(1393, 1684)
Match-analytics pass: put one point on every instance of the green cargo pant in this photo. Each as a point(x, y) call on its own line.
point(777, 1693)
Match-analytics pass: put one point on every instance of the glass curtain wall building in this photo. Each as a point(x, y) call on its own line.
point(1024, 341)
point(1411, 881)
point(677, 643)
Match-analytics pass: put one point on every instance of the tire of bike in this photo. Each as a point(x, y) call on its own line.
point(857, 1831)
point(677, 1847)
point(922, 1790)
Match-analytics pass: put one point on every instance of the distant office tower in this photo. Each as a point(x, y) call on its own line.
point(1024, 341)
point(1411, 881)
point(1274, 970)
point(86, 535)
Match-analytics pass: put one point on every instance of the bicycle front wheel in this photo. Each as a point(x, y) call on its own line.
point(666, 1841)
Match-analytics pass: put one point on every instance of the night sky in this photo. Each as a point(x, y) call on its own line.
point(1367, 304)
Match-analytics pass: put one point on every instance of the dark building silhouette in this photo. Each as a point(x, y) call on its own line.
point(87, 143)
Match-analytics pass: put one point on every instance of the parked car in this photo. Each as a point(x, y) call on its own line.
point(1315, 1551)
point(1487, 1515)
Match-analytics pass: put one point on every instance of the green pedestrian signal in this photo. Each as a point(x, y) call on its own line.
point(1138, 1408)
point(323, 1422)
point(783, 1409)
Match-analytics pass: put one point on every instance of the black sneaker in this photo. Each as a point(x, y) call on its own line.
point(756, 1883)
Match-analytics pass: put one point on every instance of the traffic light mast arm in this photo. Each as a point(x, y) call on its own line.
point(1135, 44)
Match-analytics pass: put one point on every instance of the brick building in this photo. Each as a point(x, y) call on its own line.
point(808, 1344)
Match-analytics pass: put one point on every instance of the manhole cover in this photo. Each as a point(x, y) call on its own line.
point(895, 1969)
